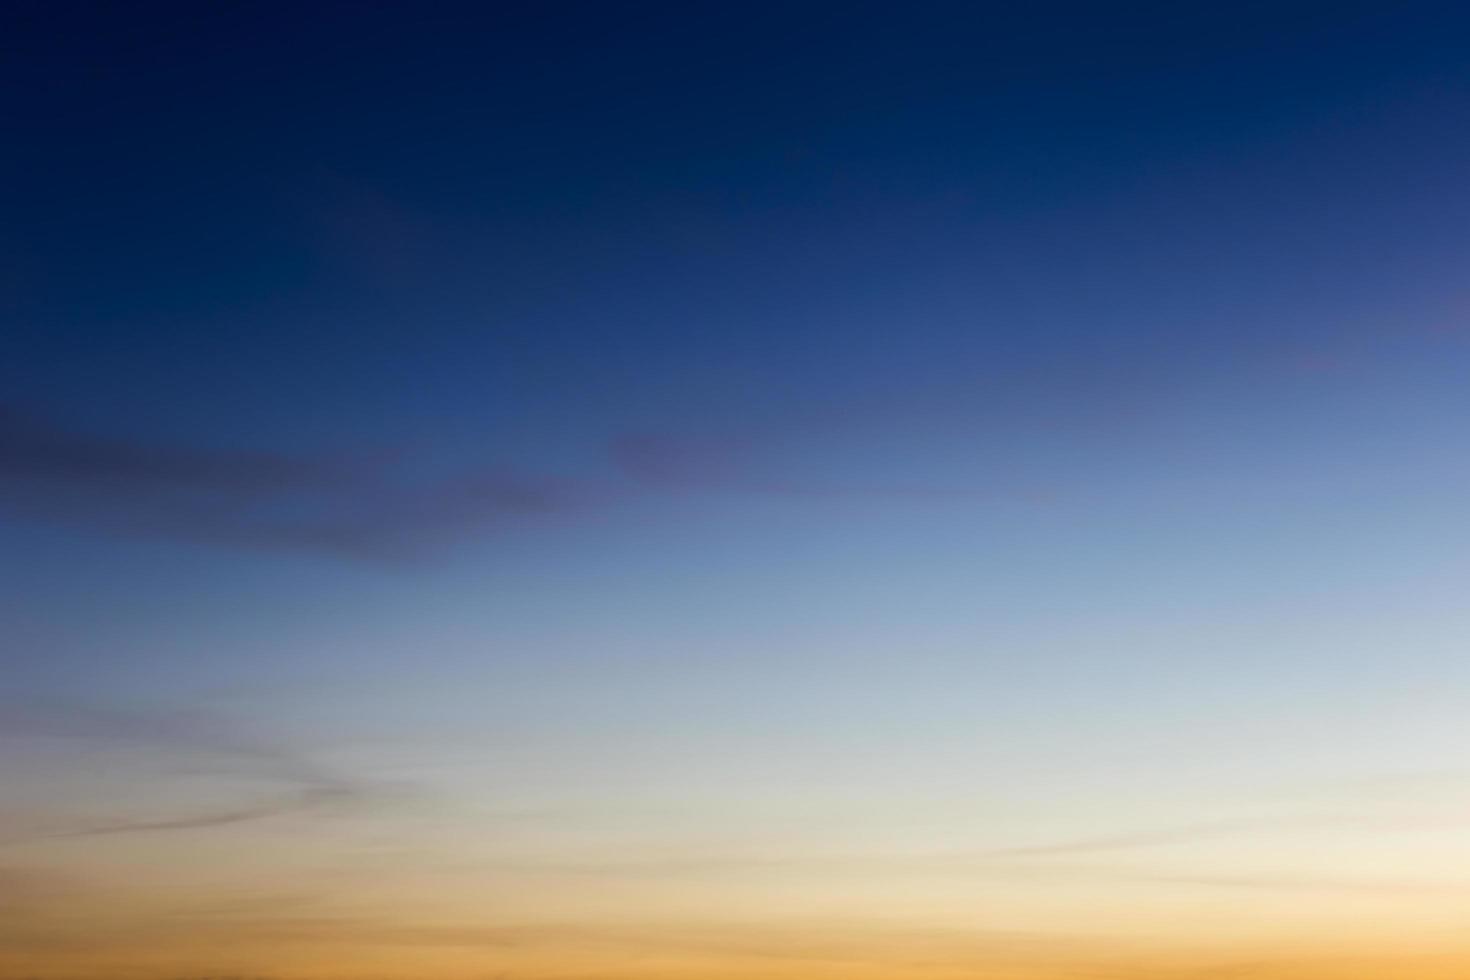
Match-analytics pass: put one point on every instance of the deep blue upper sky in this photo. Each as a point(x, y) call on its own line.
point(302, 205)
point(361, 279)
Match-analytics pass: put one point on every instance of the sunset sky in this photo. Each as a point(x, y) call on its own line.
point(726, 491)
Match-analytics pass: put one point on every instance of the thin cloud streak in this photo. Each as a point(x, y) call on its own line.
point(691, 464)
point(32, 448)
point(188, 731)
point(311, 789)
point(1212, 830)
point(371, 511)
point(264, 501)
point(308, 800)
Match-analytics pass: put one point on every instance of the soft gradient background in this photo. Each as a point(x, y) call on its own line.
point(567, 491)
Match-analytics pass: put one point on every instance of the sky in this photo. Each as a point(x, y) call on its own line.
point(698, 491)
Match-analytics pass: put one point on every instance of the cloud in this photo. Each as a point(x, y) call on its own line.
point(1288, 882)
point(307, 800)
point(33, 449)
point(727, 465)
point(619, 946)
point(1183, 834)
point(177, 729)
point(218, 748)
point(671, 461)
point(380, 508)
point(332, 505)
point(1218, 829)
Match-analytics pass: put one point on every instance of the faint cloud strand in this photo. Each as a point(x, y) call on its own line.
point(269, 501)
point(310, 787)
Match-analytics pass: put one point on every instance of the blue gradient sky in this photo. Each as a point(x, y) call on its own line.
point(673, 468)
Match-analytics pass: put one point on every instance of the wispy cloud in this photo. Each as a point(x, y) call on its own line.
point(1162, 837)
point(728, 465)
point(35, 449)
point(339, 505)
point(620, 947)
point(1204, 831)
point(1306, 883)
point(178, 729)
point(378, 507)
point(305, 801)
point(216, 747)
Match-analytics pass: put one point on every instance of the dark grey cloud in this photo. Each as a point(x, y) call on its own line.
point(35, 449)
point(377, 508)
point(336, 505)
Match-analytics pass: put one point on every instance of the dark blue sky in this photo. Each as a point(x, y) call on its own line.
point(398, 215)
point(375, 279)
point(371, 280)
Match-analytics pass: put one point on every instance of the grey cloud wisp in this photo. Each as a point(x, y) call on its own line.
point(328, 504)
point(299, 784)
